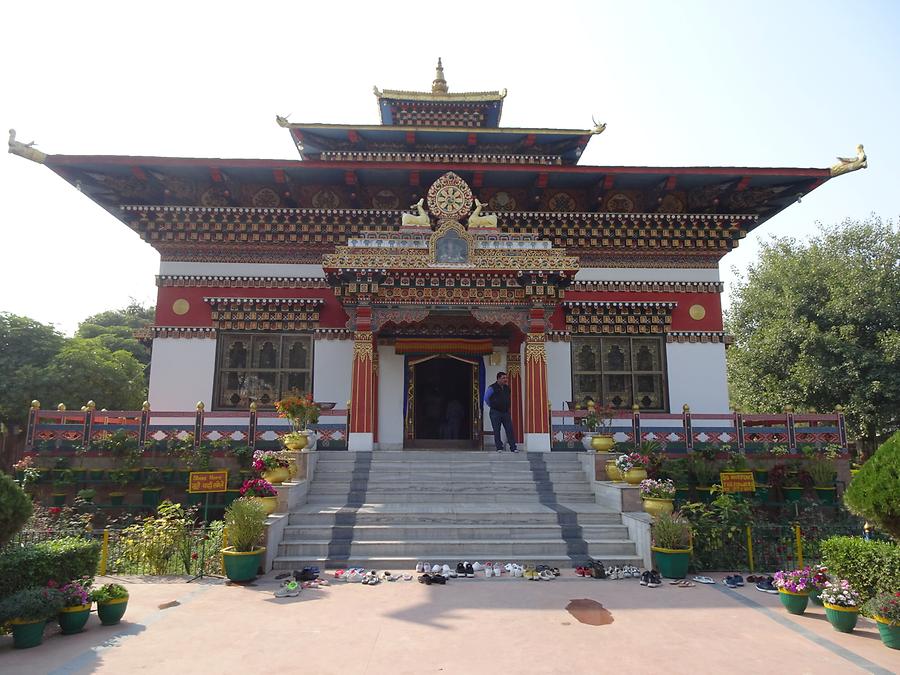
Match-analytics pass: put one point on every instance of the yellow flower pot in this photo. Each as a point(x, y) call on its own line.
point(635, 475)
point(602, 442)
point(269, 504)
point(278, 475)
point(655, 506)
point(612, 471)
point(296, 445)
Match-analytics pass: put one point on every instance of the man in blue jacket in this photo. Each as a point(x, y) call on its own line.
point(498, 398)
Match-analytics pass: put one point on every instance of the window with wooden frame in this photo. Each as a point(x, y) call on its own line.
point(261, 368)
point(619, 372)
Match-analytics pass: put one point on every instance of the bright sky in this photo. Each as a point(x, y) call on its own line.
point(679, 84)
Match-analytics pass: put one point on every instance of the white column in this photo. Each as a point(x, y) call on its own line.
point(390, 399)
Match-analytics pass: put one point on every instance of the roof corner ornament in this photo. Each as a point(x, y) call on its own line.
point(439, 85)
point(376, 90)
point(26, 150)
point(420, 220)
point(848, 164)
point(283, 121)
point(599, 127)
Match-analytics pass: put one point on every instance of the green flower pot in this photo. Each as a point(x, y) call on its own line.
point(27, 634)
point(842, 619)
point(793, 494)
point(761, 476)
point(242, 566)
point(794, 603)
point(814, 597)
point(762, 493)
point(150, 497)
point(826, 495)
point(672, 563)
point(117, 498)
point(890, 635)
point(704, 495)
point(97, 474)
point(59, 499)
point(112, 611)
point(73, 619)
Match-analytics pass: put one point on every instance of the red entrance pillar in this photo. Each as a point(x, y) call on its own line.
point(362, 390)
point(537, 419)
point(514, 370)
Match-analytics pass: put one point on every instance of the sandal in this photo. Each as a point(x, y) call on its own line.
point(704, 580)
point(686, 584)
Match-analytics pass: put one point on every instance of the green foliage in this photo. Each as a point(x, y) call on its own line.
point(151, 544)
point(63, 478)
point(15, 508)
point(705, 472)
point(884, 605)
point(870, 566)
point(246, 523)
point(243, 454)
point(671, 530)
point(817, 325)
point(109, 592)
point(115, 329)
point(26, 347)
point(717, 527)
point(121, 445)
point(58, 560)
point(677, 470)
point(31, 604)
point(873, 492)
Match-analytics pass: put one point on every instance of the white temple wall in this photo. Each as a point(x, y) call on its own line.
point(646, 274)
point(390, 399)
point(697, 377)
point(559, 373)
point(182, 372)
point(332, 370)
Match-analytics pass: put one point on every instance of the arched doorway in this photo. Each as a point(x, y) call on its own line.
point(442, 402)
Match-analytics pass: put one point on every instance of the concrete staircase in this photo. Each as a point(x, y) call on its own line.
point(390, 509)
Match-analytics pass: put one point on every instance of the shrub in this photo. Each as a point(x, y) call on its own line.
point(32, 604)
point(246, 521)
point(59, 560)
point(884, 605)
point(873, 492)
point(870, 566)
point(15, 508)
point(152, 544)
point(671, 531)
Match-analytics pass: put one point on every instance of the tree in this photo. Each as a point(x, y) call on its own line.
point(817, 325)
point(115, 329)
point(26, 347)
point(873, 492)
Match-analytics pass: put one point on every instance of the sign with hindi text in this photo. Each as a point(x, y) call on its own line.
point(208, 481)
point(737, 481)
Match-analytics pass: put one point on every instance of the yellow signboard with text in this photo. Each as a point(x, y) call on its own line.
point(208, 481)
point(737, 481)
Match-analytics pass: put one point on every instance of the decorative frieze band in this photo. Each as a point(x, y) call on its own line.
point(592, 317)
point(439, 158)
point(265, 314)
point(700, 337)
point(189, 332)
point(202, 281)
point(649, 286)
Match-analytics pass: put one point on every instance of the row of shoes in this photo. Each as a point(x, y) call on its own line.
point(597, 570)
point(359, 575)
point(468, 570)
point(763, 584)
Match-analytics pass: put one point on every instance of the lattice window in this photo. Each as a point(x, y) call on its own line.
point(261, 368)
point(619, 372)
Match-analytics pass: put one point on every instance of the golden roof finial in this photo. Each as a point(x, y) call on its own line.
point(439, 85)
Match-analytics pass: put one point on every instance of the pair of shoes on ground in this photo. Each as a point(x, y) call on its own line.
point(624, 572)
point(766, 585)
point(733, 580)
point(704, 580)
point(288, 589)
point(429, 579)
point(492, 570)
point(540, 573)
point(466, 569)
point(651, 579)
point(682, 583)
point(594, 570)
point(306, 574)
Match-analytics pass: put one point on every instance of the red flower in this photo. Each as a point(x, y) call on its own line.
point(193, 556)
point(55, 510)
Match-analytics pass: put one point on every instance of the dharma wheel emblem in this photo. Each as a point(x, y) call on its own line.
point(449, 197)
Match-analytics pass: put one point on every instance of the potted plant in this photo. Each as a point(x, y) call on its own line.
point(120, 477)
point(271, 465)
point(658, 496)
point(262, 492)
point(112, 600)
point(819, 579)
point(301, 411)
point(705, 473)
point(677, 471)
point(87, 494)
point(27, 612)
point(798, 480)
point(671, 535)
point(153, 485)
point(822, 472)
point(841, 605)
point(598, 427)
point(633, 467)
point(884, 608)
point(62, 480)
point(793, 589)
point(246, 522)
point(76, 607)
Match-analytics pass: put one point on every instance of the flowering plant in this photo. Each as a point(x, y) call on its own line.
point(76, 593)
point(885, 606)
point(630, 461)
point(257, 487)
point(300, 410)
point(657, 489)
point(598, 420)
point(268, 460)
point(109, 592)
point(796, 581)
point(841, 594)
point(819, 577)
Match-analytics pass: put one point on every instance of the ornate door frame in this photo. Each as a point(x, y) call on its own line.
point(409, 422)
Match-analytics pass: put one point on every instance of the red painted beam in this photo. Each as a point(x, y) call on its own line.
point(745, 181)
point(670, 183)
point(478, 179)
point(280, 176)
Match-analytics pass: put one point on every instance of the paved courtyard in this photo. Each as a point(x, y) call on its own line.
point(491, 626)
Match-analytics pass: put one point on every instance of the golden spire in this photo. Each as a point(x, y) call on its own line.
point(439, 85)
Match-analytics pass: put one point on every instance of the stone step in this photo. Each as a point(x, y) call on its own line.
point(408, 563)
point(464, 532)
point(438, 498)
point(455, 547)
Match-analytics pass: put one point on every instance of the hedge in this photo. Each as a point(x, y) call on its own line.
point(58, 560)
point(873, 492)
point(15, 508)
point(871, 567)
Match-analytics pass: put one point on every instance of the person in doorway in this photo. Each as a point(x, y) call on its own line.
point(498, 399)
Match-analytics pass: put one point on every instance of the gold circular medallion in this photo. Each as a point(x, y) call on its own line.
point(181, 306)
point(697, 312)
